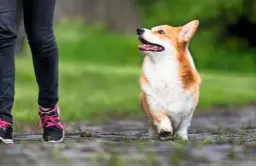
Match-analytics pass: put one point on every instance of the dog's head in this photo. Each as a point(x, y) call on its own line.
point(164, 39)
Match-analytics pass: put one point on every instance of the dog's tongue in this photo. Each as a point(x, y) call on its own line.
point(147, 47)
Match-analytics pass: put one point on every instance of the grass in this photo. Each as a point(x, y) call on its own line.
point(93, 92)
point(79, 42)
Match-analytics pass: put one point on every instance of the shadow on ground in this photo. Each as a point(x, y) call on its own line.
point(219, 137)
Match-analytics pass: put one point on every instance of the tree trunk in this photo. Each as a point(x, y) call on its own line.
point(122, 16)
point(118, 15)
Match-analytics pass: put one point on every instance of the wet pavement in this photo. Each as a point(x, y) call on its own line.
point(218, 137)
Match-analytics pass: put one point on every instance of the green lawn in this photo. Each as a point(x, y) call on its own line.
point(89, 91)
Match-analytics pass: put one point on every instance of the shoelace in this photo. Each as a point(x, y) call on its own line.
point(50, 120)
point(3, 124)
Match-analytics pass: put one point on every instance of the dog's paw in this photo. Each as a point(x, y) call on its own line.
point(180, 136)
point(164, 128)
point(163, 134)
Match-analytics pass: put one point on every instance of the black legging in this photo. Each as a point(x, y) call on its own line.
point(38, 20)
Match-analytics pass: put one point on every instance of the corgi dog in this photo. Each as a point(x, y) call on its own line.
point(169, 81)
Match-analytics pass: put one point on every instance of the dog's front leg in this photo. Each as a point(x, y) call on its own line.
point(163, 125)
point(160, 124)
point(181, 133)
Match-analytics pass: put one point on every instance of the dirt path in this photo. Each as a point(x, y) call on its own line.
point(220, 137)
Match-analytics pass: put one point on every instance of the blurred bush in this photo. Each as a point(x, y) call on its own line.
point(224, 40)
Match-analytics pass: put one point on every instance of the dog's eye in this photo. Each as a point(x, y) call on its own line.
point(160, 32)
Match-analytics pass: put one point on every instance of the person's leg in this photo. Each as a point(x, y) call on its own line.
point(38, 19)
point(7, 40)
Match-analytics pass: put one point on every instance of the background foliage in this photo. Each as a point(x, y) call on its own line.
point(100, 63)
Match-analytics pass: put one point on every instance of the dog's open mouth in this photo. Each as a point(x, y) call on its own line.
point(147, 46)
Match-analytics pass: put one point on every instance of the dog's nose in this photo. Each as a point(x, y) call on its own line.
point(140, 31)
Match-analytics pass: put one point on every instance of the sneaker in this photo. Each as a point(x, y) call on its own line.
point(52, 126)
point(6, 132)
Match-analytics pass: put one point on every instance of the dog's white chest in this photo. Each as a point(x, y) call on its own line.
point(165, 92)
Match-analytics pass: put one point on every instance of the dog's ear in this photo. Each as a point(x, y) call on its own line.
point(187, 31)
